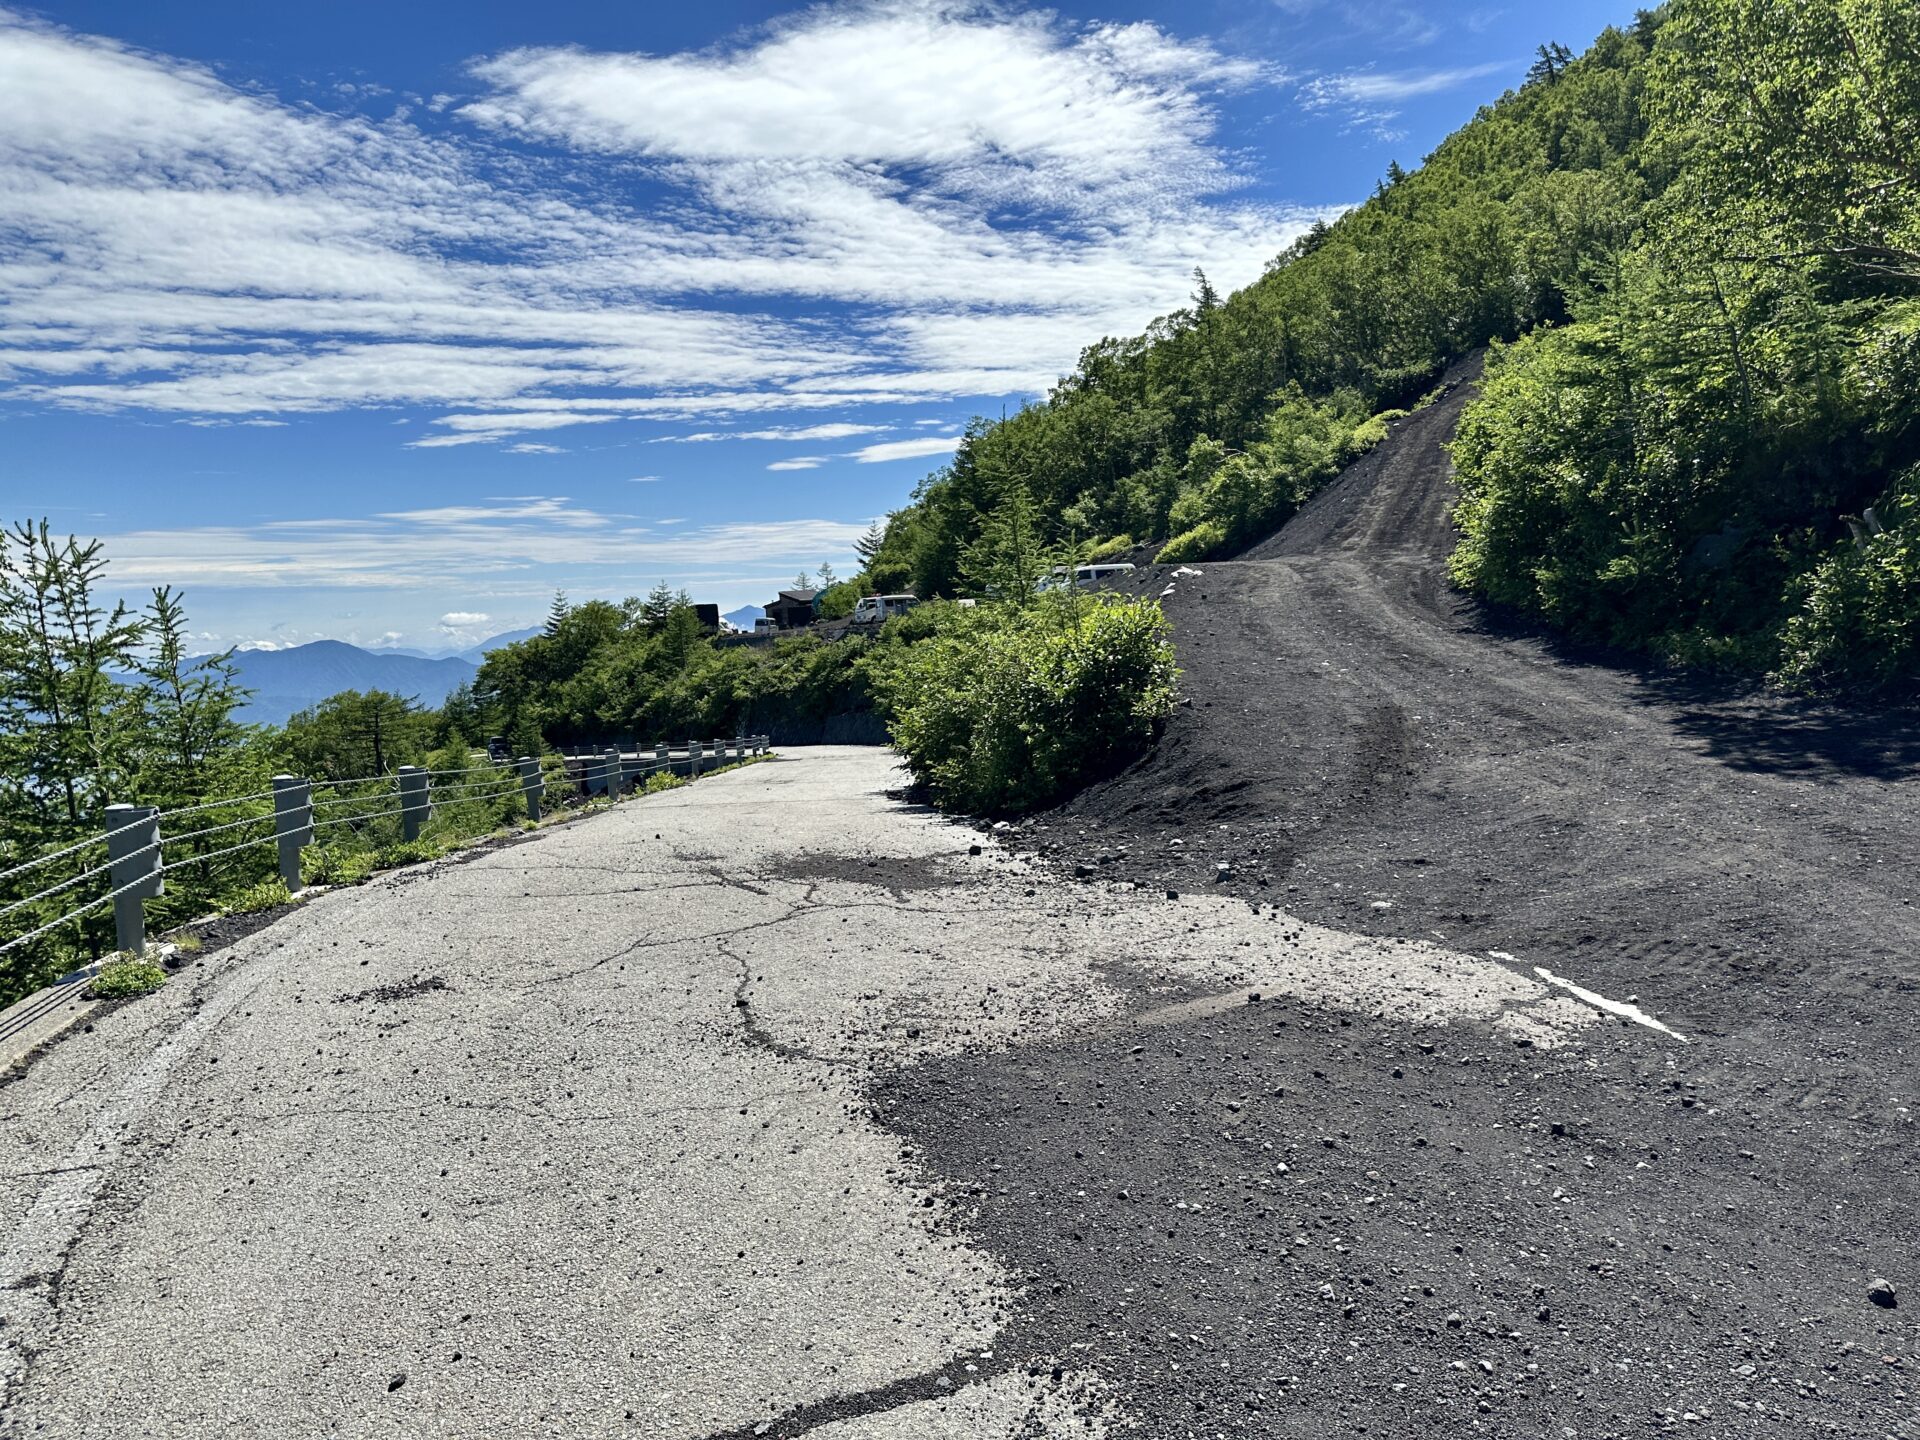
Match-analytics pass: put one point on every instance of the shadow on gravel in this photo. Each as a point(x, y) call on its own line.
point(1740, 722)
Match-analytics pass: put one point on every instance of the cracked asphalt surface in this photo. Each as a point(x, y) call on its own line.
point(601, 1134)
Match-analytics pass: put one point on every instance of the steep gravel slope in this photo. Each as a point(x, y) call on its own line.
point(1289, 1220)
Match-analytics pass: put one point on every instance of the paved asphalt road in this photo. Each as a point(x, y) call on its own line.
point(586, 1136)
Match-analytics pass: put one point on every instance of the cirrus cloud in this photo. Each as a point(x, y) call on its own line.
point(874, 204)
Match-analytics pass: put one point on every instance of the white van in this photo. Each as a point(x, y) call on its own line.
point(876, 609)
point(1085, 577)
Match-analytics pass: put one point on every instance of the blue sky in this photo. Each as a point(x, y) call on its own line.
point(382, 322)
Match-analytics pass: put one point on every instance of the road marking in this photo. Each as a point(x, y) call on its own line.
point(1612, 1007)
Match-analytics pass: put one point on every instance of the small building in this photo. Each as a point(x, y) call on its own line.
point(794, 610)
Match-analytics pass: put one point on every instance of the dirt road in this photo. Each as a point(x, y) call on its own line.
point(1632, 1240)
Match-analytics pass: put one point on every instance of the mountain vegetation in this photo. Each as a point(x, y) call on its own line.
point(1693, 252)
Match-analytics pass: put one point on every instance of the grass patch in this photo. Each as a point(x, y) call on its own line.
point(267, 895)
point(127, 975)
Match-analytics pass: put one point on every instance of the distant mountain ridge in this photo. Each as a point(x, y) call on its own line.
point(474, 653)
point(285, 681)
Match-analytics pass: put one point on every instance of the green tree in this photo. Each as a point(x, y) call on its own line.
point(188, 709)
point(358, 735)
point(62, 734)
point(1011, 556)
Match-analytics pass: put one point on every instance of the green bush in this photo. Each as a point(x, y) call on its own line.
point(126, 975)
point(336, 865)
point(1108, 549)
point(1199, 543)
point(661, 780)
point(1008, 708)
point(264, 896)
point(1858, 622)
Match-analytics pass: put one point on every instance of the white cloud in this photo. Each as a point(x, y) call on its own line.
point(511, 543)
point(456, 619)
point(836, 430)
point(800, 462)
point(907, 449)
point(1366, 99)
point(868, 204)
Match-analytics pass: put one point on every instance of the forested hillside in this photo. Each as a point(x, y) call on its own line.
point(1694, 248)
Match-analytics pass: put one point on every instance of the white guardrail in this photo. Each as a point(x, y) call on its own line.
point(136, 867)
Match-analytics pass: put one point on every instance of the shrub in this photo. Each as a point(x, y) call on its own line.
point(1008, 708)
point(126, 975)
point(336, 865)
point(264, 896)
point(1858, 621)
point(1199, 543)
point(1107, 549)
point(662, 780)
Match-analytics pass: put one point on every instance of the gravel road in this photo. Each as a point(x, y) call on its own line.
point(1630, 1237)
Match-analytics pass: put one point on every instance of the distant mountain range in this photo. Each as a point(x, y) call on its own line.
point(285, 681)
point(744, 616)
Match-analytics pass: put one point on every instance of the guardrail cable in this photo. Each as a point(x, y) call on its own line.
point(73, 849)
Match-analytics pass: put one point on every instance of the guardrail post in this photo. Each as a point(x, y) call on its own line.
point(292, 824)
point(616, 773)
point(531, 784)
point(414, 806)
point(131, 855)
point(693, 757)
point(596, 774)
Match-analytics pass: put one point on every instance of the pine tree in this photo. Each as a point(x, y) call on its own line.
point(62, 740)
point(187, 707)
point(557, 613)
point(827, 578)
point(657, 606)
point(868, 546)
point(1010, 558)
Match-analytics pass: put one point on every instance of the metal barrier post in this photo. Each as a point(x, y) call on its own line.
point(596, 774)
point(531, 784)
point(693, 757)
point(414, 805)
point(616, 773)
point(292, 824)
point(131, 855)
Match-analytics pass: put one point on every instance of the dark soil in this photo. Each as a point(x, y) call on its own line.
point(1746, 865)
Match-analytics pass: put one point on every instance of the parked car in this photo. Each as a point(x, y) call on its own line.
point(1085, 577)
point(877, 609)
